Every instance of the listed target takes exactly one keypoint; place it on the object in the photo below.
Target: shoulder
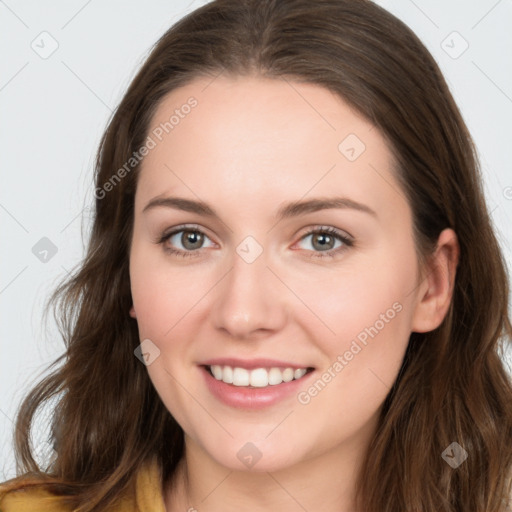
(22, 494)
(29, 499)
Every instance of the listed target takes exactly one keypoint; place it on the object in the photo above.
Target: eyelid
(321, 228)
(345, 238)
(308, 231)
(181, 227)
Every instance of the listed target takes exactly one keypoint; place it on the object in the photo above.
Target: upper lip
(250, 364)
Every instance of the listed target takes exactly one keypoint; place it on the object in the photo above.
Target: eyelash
(331, 253)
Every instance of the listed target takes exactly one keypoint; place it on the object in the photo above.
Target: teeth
(288, 375)
(275, 376)
(226, 375)
(258, 378)
(240, 377)
(300, 372)
(217, 372)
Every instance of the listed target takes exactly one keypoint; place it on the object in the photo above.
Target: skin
(250, 145)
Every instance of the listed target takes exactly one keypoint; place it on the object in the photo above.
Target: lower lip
(252, 398)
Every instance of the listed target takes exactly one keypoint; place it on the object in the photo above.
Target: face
(262, 274)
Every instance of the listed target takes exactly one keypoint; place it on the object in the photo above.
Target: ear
(436, 289)
(132, 312)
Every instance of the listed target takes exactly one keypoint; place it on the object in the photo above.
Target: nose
(250, 302)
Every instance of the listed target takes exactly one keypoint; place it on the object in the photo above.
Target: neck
(328, 479)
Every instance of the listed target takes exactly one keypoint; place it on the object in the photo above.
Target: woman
(293, 297)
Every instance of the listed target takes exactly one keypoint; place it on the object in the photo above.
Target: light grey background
(55, 107)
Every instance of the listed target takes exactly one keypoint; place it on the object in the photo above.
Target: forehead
(240, 138)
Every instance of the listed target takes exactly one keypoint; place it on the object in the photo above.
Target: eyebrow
(293, 209)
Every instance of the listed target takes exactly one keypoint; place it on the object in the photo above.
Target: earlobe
(132, 312)
(436, 290)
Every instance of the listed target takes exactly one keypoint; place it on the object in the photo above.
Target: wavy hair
(453, 385)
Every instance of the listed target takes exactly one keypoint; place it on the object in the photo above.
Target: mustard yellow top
(147, 497)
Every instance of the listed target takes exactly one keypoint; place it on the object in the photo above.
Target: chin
(255, 457)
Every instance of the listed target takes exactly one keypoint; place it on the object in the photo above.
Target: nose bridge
(249, 298)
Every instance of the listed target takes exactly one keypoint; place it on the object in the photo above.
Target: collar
(148, 489)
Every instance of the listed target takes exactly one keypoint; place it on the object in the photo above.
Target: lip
(251, 364)
(253, 398)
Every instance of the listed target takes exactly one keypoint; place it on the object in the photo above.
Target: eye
(190, 238)
(323, 240)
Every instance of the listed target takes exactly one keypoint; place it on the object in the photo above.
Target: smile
(255, 388)
(257, 377)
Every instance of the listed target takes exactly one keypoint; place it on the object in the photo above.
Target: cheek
(161, 303)
(356, 298)
(368, 309)
(154, 293)
(158, 304)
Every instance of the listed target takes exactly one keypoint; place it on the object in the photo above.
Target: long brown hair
(453, 387)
